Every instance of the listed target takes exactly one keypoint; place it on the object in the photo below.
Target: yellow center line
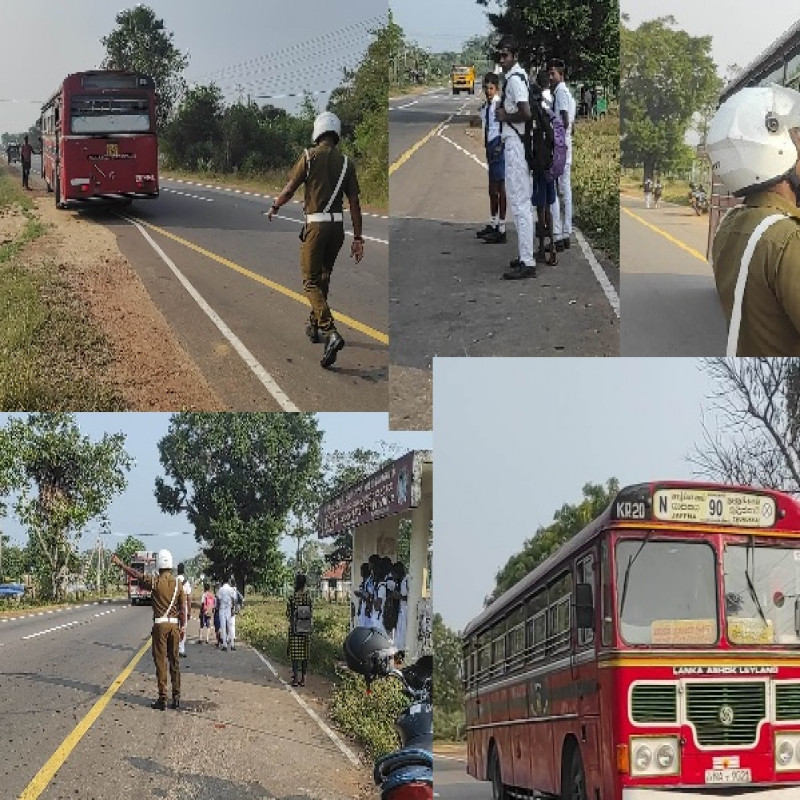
(277, 287)
(56, 761)
(666, 235)
(413, 149)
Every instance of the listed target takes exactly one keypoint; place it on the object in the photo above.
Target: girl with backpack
(298, 612)
(207, 604)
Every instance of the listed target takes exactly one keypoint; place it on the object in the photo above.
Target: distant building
(333, 586)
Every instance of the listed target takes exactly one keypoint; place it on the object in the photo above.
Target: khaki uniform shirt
(163, 587)
(326, 164)
(771, 305)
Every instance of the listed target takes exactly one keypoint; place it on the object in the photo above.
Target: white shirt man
(518, 176)
(226, 597)
(564, 106)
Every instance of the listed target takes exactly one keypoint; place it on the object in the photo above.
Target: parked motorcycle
(699, 201)
(407, 773)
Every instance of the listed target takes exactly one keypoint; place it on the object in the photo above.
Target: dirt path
(149, 367)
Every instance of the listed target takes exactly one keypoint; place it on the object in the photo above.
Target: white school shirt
(494, 124)
(516, 92)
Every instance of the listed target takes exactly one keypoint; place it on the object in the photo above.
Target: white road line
(599, 273)
(480, 163)
(65, 625)
(267, 381)
(344, 749)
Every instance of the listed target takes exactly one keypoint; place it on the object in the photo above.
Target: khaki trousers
(318, 254)
(165, 648)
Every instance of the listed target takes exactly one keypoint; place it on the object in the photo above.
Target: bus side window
(606, 605)
(585, 574)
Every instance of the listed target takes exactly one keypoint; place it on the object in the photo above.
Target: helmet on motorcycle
(749, 141)
(164, 559)
(367, 651)
(326, 122)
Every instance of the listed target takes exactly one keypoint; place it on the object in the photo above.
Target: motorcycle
(699, 201)
(407, 773)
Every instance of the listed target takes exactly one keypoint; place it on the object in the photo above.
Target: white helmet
(326, 122)
(749, 142)
(164, 559)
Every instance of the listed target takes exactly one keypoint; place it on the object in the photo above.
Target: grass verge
(674, 191)
(51, 359)
(365, 718)
(595, 183)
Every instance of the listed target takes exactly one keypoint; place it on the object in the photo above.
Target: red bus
(143, 561)
(655, 656)
(99, 137)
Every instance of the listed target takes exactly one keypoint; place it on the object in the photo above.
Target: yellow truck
(463, 78)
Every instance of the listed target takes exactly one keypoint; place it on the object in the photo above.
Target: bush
(595, 183)
(449, 726)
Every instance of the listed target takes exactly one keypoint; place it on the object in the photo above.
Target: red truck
(143, 561)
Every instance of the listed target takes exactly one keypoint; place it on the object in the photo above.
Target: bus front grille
(654, 702)
(726, 713)
(787, 702)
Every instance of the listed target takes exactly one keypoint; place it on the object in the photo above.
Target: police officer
(168, 615)
(328, 176)
(753, 142)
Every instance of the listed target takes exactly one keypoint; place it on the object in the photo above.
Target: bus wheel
(574, 787)
(498, 789)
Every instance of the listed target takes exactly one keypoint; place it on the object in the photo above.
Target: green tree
(449, 718)
(15, 561)
(756, 439)
(583, 33)
(140, 43)
(567, 521)
(195, 136)
(126, 549)
(63, 481)
(237, 477)
(666, 76)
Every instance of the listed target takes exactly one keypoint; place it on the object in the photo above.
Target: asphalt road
(239, 733)
(446, 295)
(669, 301)
(451, 782)
(246, 272)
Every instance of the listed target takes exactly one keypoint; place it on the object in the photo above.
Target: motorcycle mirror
(778, 599)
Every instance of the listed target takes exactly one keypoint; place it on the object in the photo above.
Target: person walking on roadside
(754, 144)
(563, 106)
(495, 230)
(186, 599)
(328, 175)
(207, 603)
(298, 612)
(513, 112)
(658, 190)
(238, 602)
(648, 192)
(168, 611)
(26, 152)
(226, 596)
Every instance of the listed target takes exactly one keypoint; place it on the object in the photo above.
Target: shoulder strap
(503, 98)
(308, 162)
(174, 595)
(741, 280)
(336, 190)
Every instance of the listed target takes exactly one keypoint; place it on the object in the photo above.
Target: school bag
(301, 619)
(538, 139)
(391, 610)
(208, 605)
(556, 169)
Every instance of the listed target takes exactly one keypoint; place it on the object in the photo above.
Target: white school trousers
(518, 193)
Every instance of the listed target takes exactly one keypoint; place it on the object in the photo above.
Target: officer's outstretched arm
(134, 573)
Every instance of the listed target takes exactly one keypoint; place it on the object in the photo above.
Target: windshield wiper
(750, 588)
(631, 559)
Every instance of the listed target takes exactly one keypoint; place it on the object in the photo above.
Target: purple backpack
(559, 147)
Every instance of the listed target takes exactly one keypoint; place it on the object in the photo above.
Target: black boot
(312, 331)
(160, 704)
(333, 344)
(176, 702)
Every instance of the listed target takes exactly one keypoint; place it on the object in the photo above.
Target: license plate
(728, 776)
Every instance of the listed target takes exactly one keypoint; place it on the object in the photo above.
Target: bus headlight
(642, 756)
(665, 756)
(654, 755)
(785, 752)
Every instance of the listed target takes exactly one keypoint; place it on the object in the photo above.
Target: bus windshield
(669, 590)
(109, 115)
(774, 574)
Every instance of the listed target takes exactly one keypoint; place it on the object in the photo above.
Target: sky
(136, 511)
(515, 439)
(739, 34)
(294, 46)
(442, 25)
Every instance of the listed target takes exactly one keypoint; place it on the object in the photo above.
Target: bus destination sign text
(741, 509)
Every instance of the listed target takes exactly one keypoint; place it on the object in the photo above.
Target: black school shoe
(495, 237)
(518, 271)
(160, 704)
(176, 703)
(333, 344)
(484, 231)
